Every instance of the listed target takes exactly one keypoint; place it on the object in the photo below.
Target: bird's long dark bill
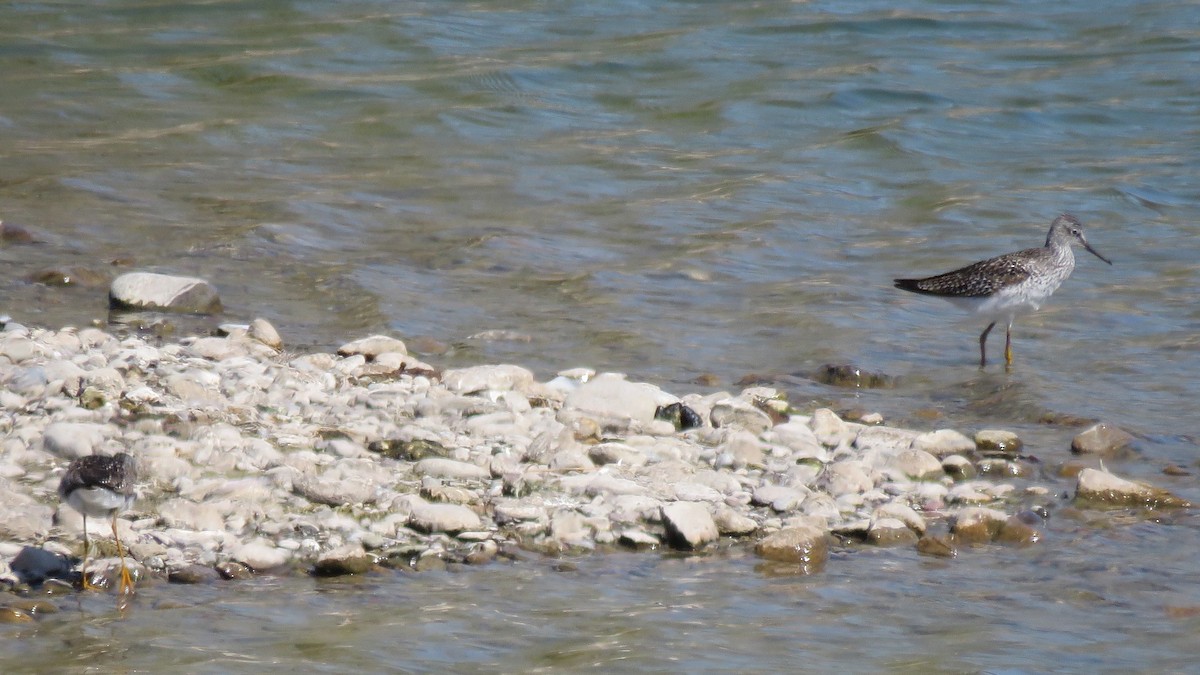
(1095, 253)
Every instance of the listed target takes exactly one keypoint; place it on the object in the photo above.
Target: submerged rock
(845, 375)
(1101, 488)
(150, 291)
(1101, 439)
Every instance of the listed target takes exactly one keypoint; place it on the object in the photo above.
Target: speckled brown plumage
(978, 280)
(116, 474)
(101, 487)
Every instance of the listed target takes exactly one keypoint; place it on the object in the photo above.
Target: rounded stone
(150, 291)
(1101, 439)
(805, 546)
(943, 442)
(264, 332)
(342, 561)
(1101, 488)
(977, 525)
(371, 347)
(997, 441)
(689, 525)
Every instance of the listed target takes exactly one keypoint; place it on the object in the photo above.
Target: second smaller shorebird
(1007, 286)
(101, 487)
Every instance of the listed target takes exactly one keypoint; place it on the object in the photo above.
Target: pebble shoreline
(252, 459)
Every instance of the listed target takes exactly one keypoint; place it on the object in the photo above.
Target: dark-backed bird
(1007, 286)
(102, 487)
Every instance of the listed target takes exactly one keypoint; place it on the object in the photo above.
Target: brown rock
(234, 571)
(1018, 531)
(996, 441)
(805, 546)
(977, 525)
(193, 574)
(937, 545)
(342, 561)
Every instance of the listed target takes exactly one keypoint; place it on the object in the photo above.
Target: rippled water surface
(668, 189)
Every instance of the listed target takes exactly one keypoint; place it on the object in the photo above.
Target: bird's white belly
(1009, 302)
(98, 502)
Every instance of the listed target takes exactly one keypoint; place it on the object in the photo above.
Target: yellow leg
(126, 578)
(1008, 346)
(87, 584)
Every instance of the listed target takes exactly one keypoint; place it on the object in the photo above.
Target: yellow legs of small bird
(1007, 346)
(126, 585)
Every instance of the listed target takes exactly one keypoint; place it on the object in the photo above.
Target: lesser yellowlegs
(101, 487)
(1009, 285)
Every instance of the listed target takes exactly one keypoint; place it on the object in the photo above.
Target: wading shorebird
(101, 487)
(1007, 286)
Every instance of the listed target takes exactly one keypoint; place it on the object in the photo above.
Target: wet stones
(844, 375)
(997, 442)
(805, 546)
(1101, 488)
(943, 442)
(1101, 439)
(321, 463)
(373, 347)
(344, 560)
(161, 292)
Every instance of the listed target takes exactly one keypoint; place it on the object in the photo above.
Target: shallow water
(664, 189)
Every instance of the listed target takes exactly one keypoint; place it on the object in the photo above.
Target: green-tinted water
(666, 189)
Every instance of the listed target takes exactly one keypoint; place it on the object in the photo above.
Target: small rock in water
(1101, 439)
(348, 559)
(805, 546)
(844, 375)
(997, 442)
(146, 290)
(890, 532)
(943, 442)
(193, 574)
(977, 525)
(15, 234)
(936, 545)
(1100, 488)
(372, 347)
